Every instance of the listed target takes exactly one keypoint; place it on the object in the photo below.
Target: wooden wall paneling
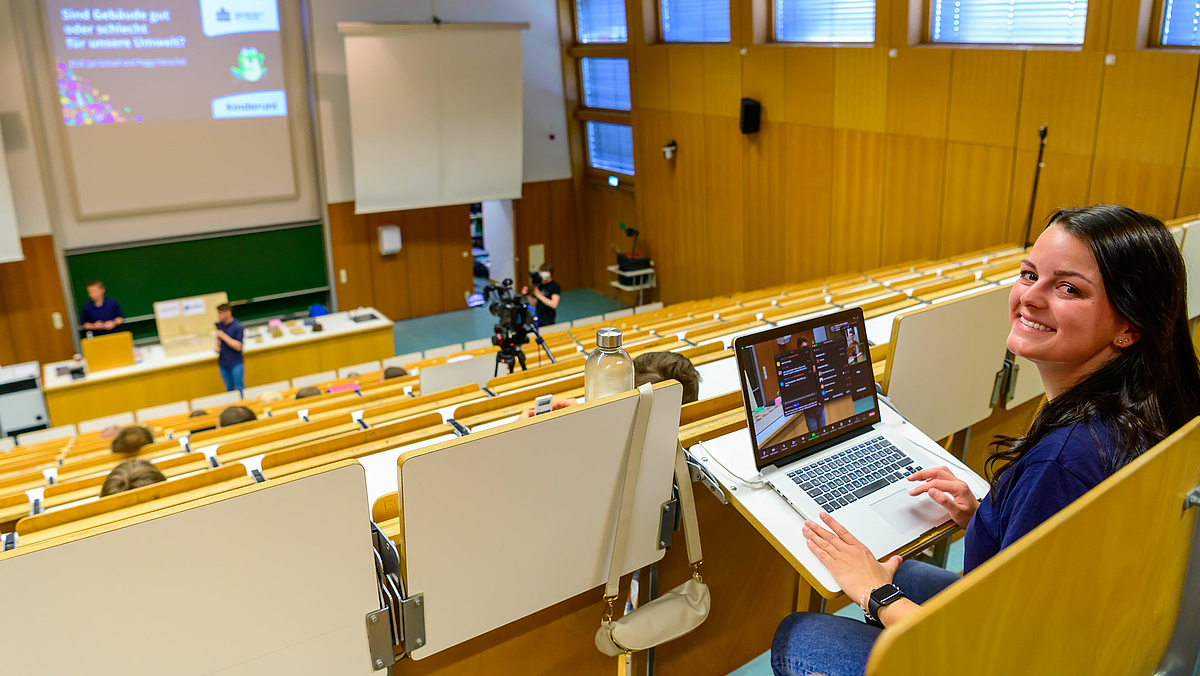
(1064, 183)
(389, 274)
(1099, 20)
(8, 349)
(912, 198)
(1146, 107)
(685, 78)
(651, 73)
(350, 244)
(860, 88)
(765, 260)
(690, 251)
(807, 194)
(724, 227)
(532, 223)
(656, 196)
(419, 233)
(764, 71)
(564, 231)
(1061, 90)
(33, 293)
(808, 86)
(1128, 25)
(722, 80)
(918, 99)
(985, 91)
(608, 207)
(858, 174)
(976, 196)
(1145, 186)
(457, 278)
(1189, 193)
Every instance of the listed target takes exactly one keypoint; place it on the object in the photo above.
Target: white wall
(545, 112)
(24, 169)
(498, 240)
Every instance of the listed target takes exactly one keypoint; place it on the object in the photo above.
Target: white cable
(756, 482)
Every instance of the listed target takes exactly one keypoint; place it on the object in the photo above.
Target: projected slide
(173, 59)
(181, 102)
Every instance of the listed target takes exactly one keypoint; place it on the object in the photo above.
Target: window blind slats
(605, 83)
(1009, 21)
(610, 147)
(825, 20)
(1181, 23)
(695, 20)
(601, 21)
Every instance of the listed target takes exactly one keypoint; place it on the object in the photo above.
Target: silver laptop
(809, 393)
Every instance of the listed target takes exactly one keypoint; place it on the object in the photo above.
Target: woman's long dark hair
(1153, 387)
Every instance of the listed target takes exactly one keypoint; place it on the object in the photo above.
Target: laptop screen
(806, 383)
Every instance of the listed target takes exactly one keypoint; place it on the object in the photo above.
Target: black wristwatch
(883, 596)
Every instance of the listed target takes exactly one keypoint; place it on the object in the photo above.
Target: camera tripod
(510, 343)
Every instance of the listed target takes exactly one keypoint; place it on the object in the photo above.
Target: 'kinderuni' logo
(222, 14)
(250, 66)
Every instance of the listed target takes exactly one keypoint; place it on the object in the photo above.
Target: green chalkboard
(245, 266)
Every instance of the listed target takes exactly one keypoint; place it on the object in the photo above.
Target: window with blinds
(605, 83)
(1181, 23)
(695, 20)
(1037, 22)
(601, 21)
(610, 147)
(825, 20)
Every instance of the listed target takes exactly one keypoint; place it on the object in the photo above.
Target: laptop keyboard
(853, 473)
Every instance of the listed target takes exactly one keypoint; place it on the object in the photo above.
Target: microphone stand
(1037, 174)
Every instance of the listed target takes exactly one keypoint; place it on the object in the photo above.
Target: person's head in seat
(131, 439)
(133, 473)
(197, 413)
(234, 415)
(394, 372)
(310, 391)
(655, 367)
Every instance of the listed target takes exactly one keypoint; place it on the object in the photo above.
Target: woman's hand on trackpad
(948, 491)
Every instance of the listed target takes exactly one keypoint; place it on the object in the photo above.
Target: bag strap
(687, 503)
(633, 462)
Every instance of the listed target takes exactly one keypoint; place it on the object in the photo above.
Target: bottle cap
(608, 338)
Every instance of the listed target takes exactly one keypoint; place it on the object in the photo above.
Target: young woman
(1100, 308)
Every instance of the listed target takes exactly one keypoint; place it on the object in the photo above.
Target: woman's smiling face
(1059, 312)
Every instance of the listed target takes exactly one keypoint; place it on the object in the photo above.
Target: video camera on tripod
(515, 322)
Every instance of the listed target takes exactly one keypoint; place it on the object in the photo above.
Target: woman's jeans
(814, 643)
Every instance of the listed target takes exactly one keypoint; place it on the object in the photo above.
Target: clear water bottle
(608, 370)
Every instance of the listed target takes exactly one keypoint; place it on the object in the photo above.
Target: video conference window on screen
(807, 386)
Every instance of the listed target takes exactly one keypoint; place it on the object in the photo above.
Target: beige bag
(678, 611)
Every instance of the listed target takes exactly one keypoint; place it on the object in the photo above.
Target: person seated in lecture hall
(229, 348)
(651, 367)
(100, 315)
(1100, 308)
(130, 474)
(546, 294)
(131, 439)
(235, 415)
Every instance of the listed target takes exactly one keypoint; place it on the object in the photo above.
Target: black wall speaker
(751, 114)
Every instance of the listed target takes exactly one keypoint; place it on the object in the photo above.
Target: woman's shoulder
(1080, 448)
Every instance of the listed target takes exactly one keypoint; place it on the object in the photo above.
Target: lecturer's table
(161, 379)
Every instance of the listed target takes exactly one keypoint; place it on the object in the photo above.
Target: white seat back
(257, 391)
(60, 432)
(314, 379)
(96, 424)
(360, 369)
(212, 400)
(162, 411)
(444, 351)
(401, 360)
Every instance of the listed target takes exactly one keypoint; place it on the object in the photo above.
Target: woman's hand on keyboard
(948, 491)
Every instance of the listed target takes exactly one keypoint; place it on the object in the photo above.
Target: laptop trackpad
(906, 513)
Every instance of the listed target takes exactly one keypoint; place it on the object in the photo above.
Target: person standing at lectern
(100, 315)
(229, 348)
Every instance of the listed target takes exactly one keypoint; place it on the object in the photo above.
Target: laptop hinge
(817, 448)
